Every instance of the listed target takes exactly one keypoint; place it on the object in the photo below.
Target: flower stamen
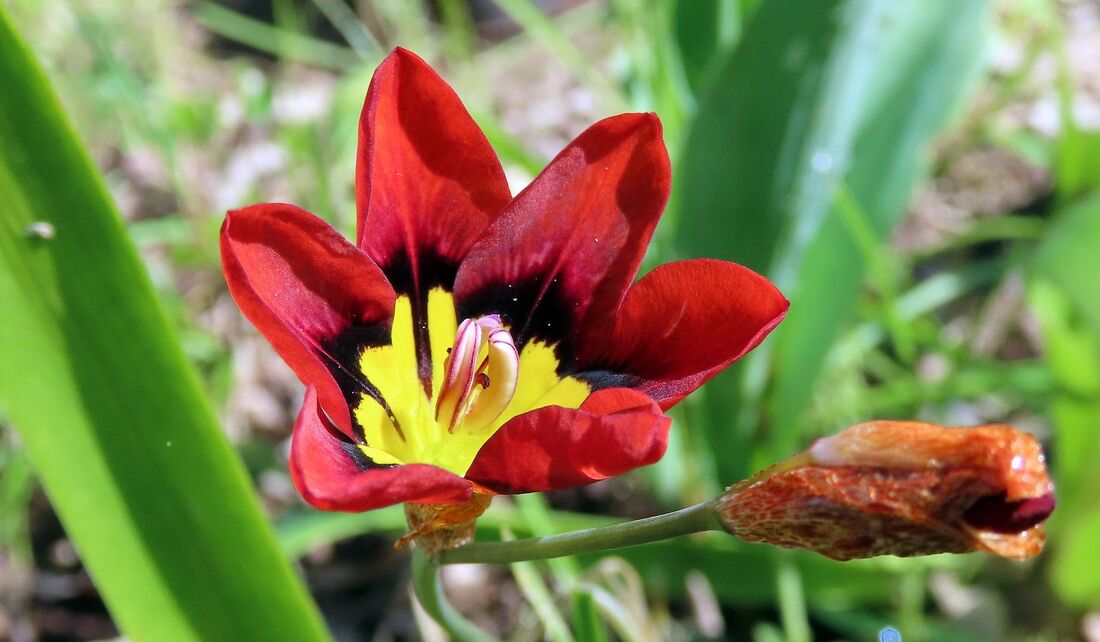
(461, 371)
(476, 391)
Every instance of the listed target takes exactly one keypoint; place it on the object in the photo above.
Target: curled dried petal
(437, 527)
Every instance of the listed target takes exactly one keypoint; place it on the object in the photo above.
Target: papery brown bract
(901, 488)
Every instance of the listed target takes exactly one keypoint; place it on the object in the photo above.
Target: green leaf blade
(814, 96)
(110, 413)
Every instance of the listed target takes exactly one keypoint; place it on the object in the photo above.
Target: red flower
(469, 338)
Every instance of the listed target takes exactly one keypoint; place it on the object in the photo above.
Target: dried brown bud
(437, 527)
(900, 488)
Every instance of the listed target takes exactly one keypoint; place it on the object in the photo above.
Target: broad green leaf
(1077, 162)
(704, 30)
(745, 179)
(814, 96)
(1065, 279)
(1068, 258)
(932, 56)
(790, 90)
(111, 415)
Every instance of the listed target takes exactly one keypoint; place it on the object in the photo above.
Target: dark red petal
(614, 431)
(427, 181)
(995, 513)
(683, 322)
(564, 251)
(329, 475)
(302, 285)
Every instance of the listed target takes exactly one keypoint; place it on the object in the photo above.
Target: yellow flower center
(477, 386)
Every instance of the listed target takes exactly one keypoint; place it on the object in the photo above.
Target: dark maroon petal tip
(994, 513)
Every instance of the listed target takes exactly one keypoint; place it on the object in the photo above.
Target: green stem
(694, 519)
(429, 591)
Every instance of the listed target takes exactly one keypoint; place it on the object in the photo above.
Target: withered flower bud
(900, 488)
(437, 527)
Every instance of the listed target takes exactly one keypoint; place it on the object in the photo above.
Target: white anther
(461, 370)
(502, 366)
(474, 394)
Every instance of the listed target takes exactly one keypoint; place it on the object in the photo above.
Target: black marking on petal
(533, 309)
(343, 354)
(600, 379)
(416, 281)
(362, 462)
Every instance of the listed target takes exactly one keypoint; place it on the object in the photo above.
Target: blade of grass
(407, 24)
(539, 596)
(885, 271)
(508, 147)
(704, 31)
(586, 617)
(657, 81)
(745, 575)
(341, 16)
(1029, 380)
(16, 487)
(792, 601)
(536, 23)
(459, 31)
(923, 298)
(270, 39)
(112, 417)
(616, 614)
(541, 521)
(1009, 227)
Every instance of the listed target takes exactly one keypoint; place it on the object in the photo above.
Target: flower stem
(694, 519)
(429, 591)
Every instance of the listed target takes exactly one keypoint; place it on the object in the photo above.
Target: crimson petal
(685, 321)
(331, 474)
(562, 254)
(303, 285)
(427, 181)
(615, 430)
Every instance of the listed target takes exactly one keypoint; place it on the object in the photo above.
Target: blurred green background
(920, 177)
